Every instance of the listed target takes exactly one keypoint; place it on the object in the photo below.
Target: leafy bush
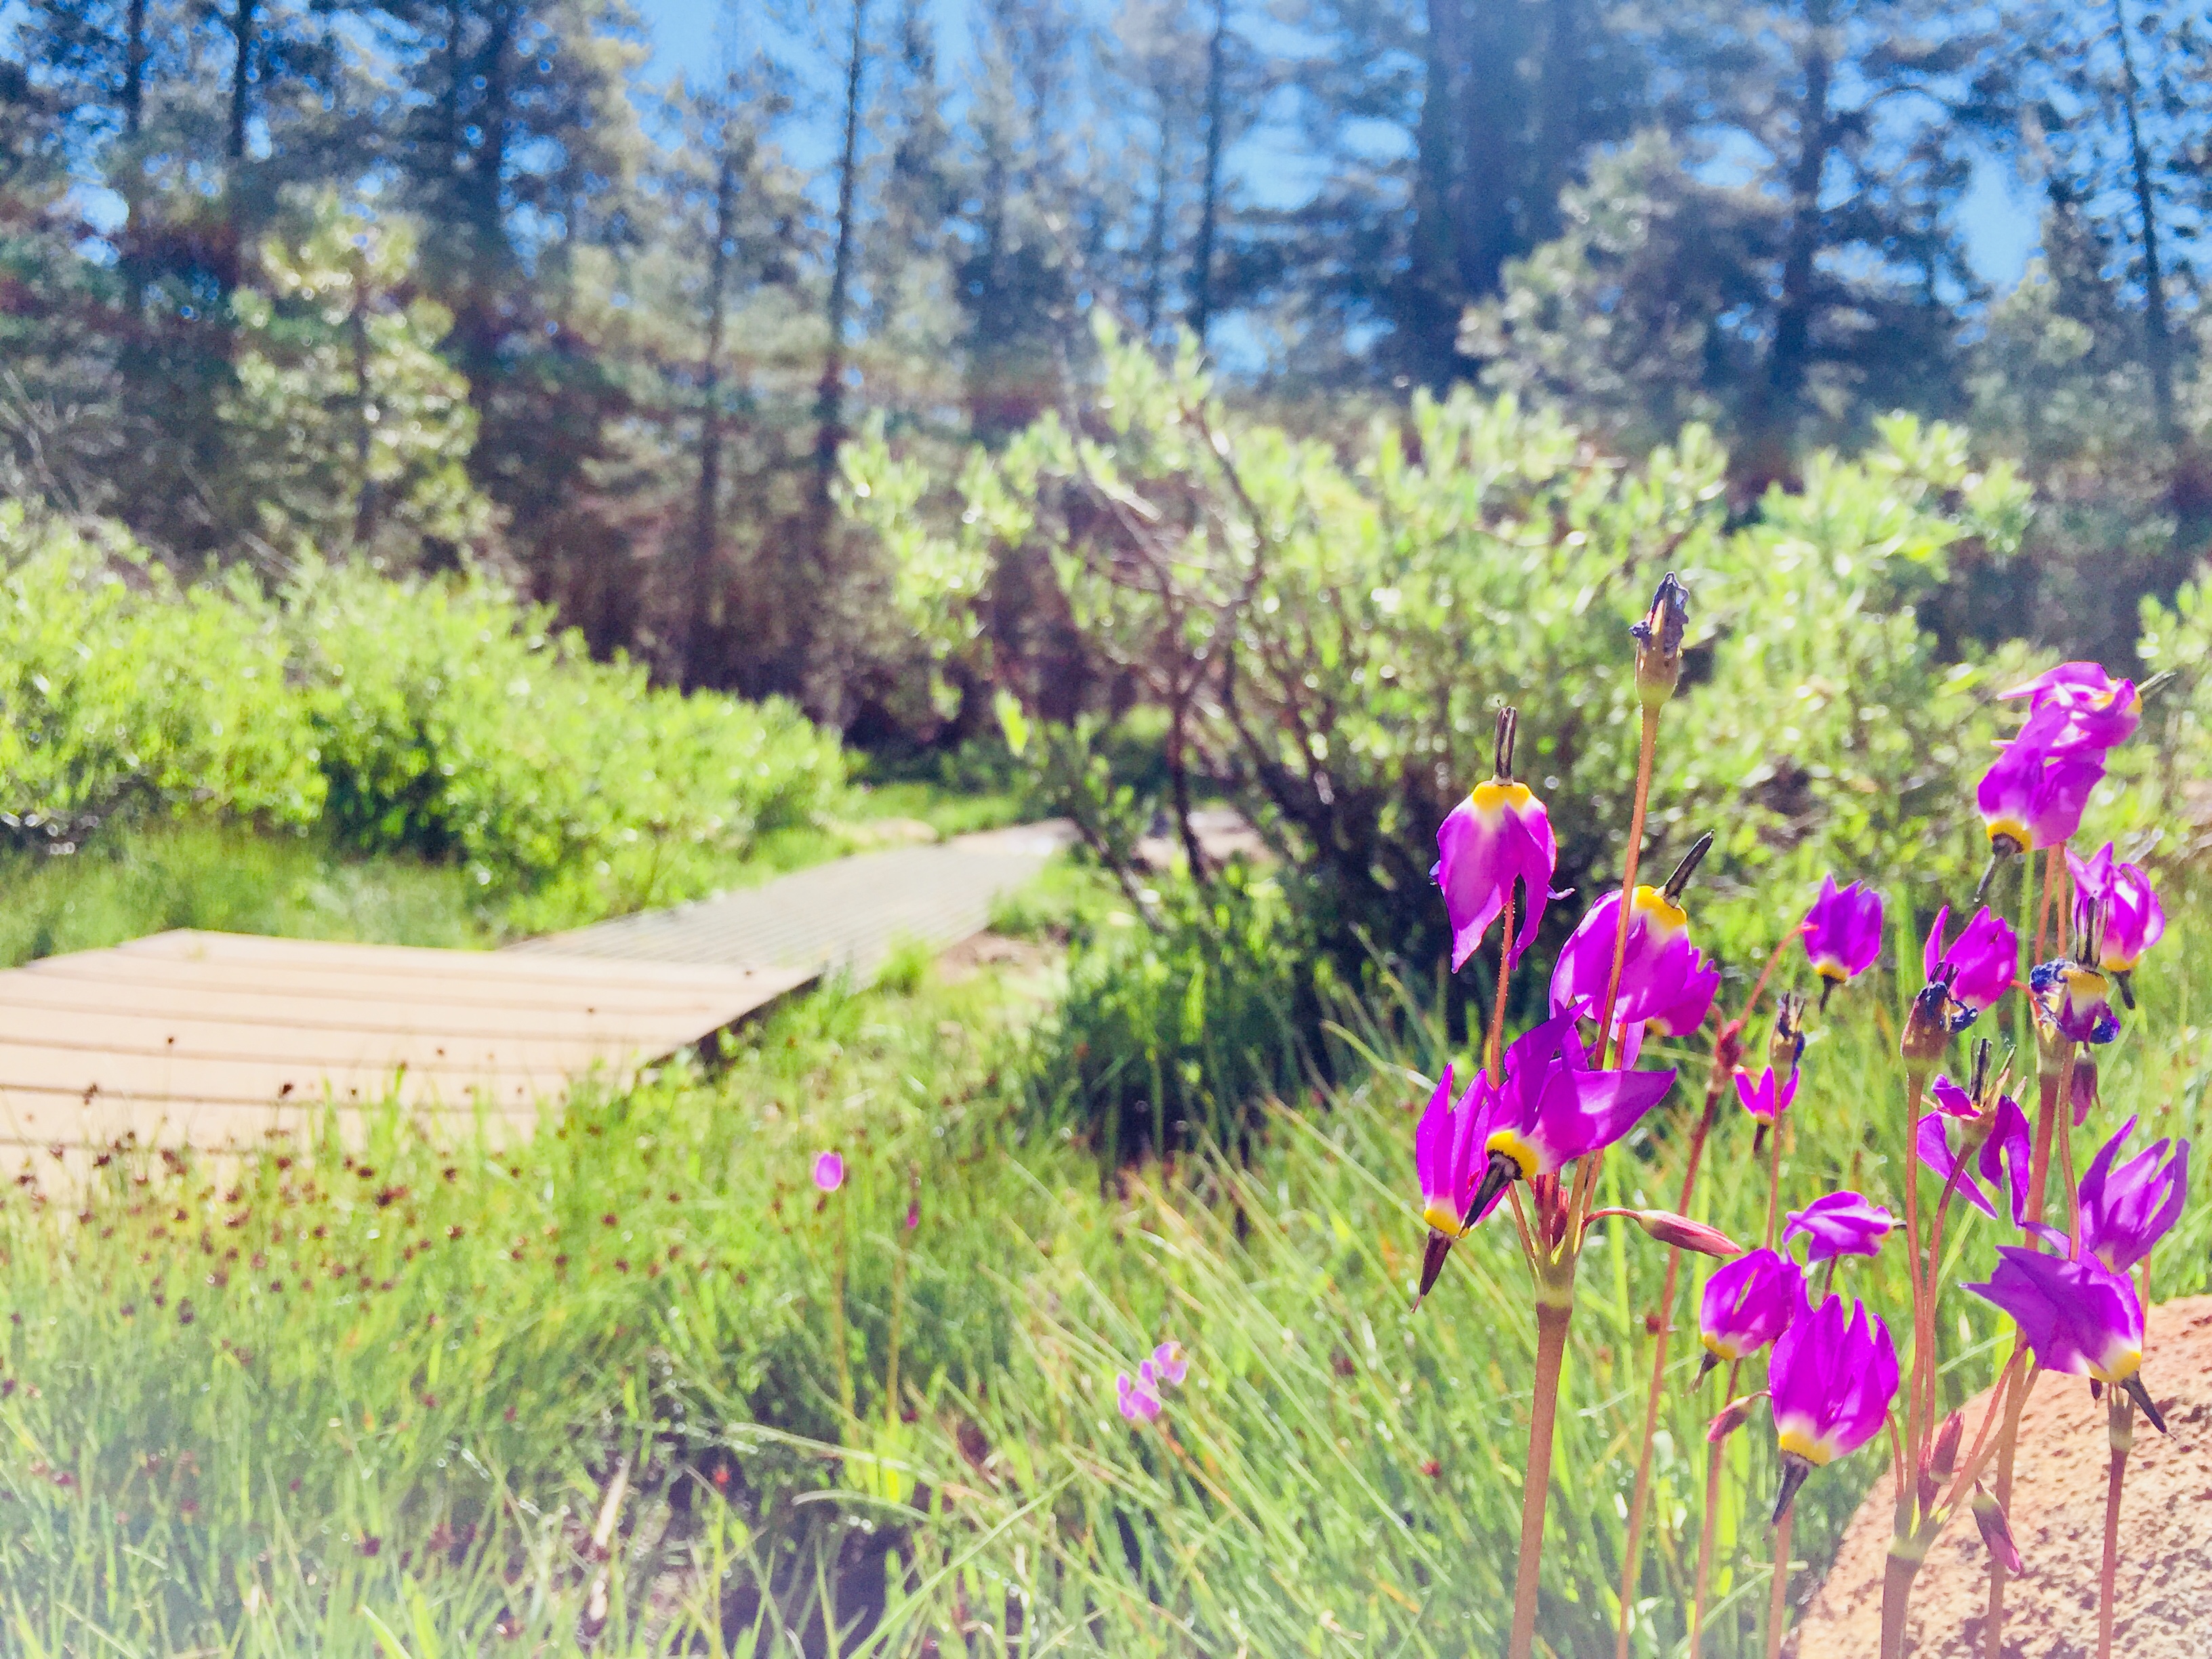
(441, 718)
(1330, 632)
(1168, 1035)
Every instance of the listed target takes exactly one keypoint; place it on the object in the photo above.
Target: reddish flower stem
(2049, 887)
(1896, 1598)
(2038, 1168)
(1711, 1525)
(1551, 1319)
(1778, 1589)
(1494, 1052)
(1647, 746)
(2122, 1419)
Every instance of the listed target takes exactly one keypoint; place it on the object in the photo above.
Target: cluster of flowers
(1548, 1098)
(1139, 1397)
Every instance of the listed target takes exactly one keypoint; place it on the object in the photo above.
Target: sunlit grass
(419, 1433)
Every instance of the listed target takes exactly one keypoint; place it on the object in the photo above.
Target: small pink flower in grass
(1830, 1382)
(2077, 1317)
(2032, 798)
(1448, 1160)
(1841, 933)
(2115, 904)
(1170, 1363)
(1991, 1146)
(1841, 1223)
(1139, 1400)
(2125, 1211)
(1498, 836)
(2077, 709)
(830, 1172)
(1746, 1305)
(1979, 966)
(1765, 1100)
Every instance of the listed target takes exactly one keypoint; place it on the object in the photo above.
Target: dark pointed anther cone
(1432, 1262)
(1794, 1470)
(1705, 1366)
(1501, 1174)
(2140, 1395)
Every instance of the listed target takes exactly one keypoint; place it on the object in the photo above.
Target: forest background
(441, 282)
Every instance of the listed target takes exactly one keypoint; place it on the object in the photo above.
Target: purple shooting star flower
(1448, 1159)
(1551, 1109)
(1169, 1364)
(2077, 1317)
(1830, 1382)
(830, 1172)
(1764, 1100)
(2031, 798)
(1981, 963)
(2076, 999)
(1746, 1305)
(1498, 836)
(2078, 708)
(1992, 1145)
(1841, 1223)
(2124, 1212)
(2116, 903)
(1661, 973)
(1841, 933)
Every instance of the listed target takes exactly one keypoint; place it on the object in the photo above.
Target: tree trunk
(706, 536)
(134, 68)
(1201, 308)
(241, 106)
(1788, 360)
(829, 395)
(1436, 299)
(2158, 341)
(1156, 236)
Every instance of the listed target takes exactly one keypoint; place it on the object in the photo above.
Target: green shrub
(444, 718)
(120, 689)
(1332, 629)
(1170, 1034)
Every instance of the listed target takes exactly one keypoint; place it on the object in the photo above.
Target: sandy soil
(2165, 1584)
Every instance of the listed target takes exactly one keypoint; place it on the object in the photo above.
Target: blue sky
(1998, 219)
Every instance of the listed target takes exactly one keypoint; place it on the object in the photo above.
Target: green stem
(1896, 1598)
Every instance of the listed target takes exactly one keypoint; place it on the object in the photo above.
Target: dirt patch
(2165, 1584)
(1017, 958)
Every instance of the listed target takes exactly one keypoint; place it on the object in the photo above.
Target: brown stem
(1647, 746)
(1773, 1178)
(2122, 1419)
(2062, 1135)
(1639, 1503)
(1896, 1598)
(2038, 1168)
(1778, 1589)
(1711, 1525)
(1919, 1406)
(2049, 887)
(1551, 1319)
(1494, 1052)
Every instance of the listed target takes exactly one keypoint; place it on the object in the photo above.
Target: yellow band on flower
(1803, 1442)
(2117, 1369)
(2010, 830)
(1443, 1218)
(1522, 1154)
(1497, 797)
(1661, 912)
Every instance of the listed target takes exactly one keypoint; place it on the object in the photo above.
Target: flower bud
(1943, 1457)
(1659, 642)
(1730, 1417)
(1684, 1234)
(1996, 1530)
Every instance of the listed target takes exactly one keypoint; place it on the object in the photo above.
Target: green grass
(419, 1431)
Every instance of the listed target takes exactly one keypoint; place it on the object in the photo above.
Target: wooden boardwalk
(220, 1040)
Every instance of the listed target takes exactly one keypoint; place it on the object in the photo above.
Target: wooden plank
(612, 993)
(127, 1032)
(163, 1077)
(335, 1011)
(506, 967)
